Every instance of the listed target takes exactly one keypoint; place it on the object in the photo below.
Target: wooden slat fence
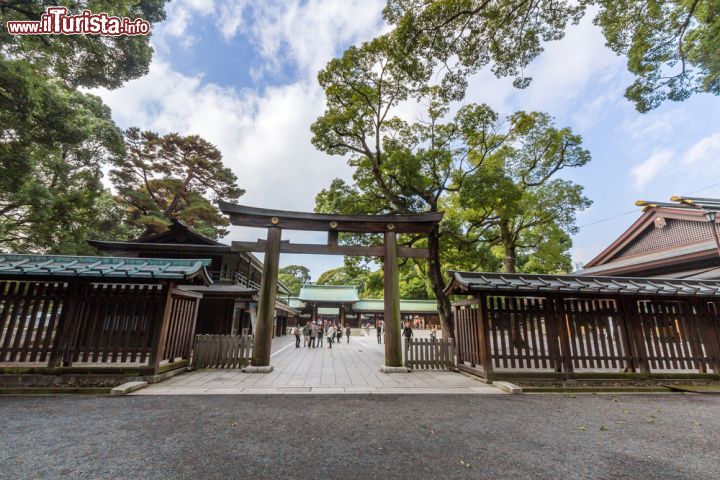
(181, 328)
(222, 351)
(29, 317)
(94, 324)
(591, 334)
(429, 354)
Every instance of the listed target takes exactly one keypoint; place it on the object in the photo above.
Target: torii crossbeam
(277, 220)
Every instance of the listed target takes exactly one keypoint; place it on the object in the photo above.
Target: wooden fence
(222, 351)
(94, 324)
(587, 335)
(429, 354)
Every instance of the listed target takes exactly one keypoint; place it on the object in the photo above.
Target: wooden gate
(429, 354)
(222, 351)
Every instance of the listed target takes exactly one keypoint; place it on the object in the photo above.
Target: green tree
(82, 60)
(426, 166)
(673, 46)
(399, 167)
(293, 277)
(171, 176)
(516, 200)
(55, 142)
(369, 282)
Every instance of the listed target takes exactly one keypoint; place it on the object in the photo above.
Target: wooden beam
(243, 215)
(318, 249)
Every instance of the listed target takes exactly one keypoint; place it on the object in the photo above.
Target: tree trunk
(509, 260)
(438, 284)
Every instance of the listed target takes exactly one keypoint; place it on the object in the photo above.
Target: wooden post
(66, 327)
(562, 326)
(357, 320)
(159, 336)
(393, 346)
(266, 304)
(484, 340)
(342, 314)
(709, 332)
(632, 321)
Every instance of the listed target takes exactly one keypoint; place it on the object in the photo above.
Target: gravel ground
(324, 436)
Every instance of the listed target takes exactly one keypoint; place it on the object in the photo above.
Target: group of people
(314, 333)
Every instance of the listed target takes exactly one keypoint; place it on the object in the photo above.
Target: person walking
(339, 330)
(321, 334)
(379, 332)
(330, 335)
(433, 333)
(306, 334)
(313, 334)
(296, 332)
(347, 333)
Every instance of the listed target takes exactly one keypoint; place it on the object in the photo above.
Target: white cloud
(704, 152)
(179, 18)
(264, 133)
(650, 168)
(302, 33)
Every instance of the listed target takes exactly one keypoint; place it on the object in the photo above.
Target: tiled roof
(406, 306)
(499, 283)
(103, 267)
(328, 293)
(294, 302)
(328, 311)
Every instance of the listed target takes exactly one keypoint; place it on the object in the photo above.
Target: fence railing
(430, 354)
(86, 324)
(572, 335)
(222, 351)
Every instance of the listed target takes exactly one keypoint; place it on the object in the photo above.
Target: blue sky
(242, 74)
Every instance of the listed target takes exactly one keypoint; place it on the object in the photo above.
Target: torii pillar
(266, 304)
(393, 337)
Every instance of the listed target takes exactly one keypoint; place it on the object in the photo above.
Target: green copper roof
(329, 293)
(406, 306)
(103, 267)
(328, 311)
(294, 302)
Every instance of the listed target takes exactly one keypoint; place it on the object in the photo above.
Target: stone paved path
(346, 368)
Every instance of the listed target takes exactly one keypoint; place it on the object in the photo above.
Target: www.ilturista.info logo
(56, 21)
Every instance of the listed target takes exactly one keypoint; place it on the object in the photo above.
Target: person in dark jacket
(379, 332)
(347, 333)
(407, 331)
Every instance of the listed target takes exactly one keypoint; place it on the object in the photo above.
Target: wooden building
(229, 305)
(674, 239)
(343, 304)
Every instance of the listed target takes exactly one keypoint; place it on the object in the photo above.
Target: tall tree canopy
(673, 46)
(171, 176)
(414, 282)
(403, 167)
(516, 200)
(83, 60)
(55, 141)
(293, 277)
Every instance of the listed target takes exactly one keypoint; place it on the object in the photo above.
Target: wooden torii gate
(277, 220)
